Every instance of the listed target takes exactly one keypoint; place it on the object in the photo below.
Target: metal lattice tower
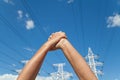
(61, 74)
(91, 57)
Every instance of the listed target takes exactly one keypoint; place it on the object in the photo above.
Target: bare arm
(78, 63)
(31, 69)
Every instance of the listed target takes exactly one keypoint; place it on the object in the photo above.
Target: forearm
(78, 63)
(32, 67)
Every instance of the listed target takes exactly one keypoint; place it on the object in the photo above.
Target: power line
(6, 68)
(12, 58)
(75, 23)
(24, 63)
(81, 23)
(31, 12)
(12, 28)
(4, 43)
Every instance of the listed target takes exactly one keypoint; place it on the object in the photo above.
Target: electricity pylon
(91, 58)
(60, 74)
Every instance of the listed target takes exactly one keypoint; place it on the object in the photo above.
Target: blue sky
(26, 25)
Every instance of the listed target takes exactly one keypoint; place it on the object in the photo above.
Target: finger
(50, 37)
(64, 33)
(52, 33)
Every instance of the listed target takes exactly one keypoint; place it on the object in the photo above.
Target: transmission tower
(60, 74)
(93, 63)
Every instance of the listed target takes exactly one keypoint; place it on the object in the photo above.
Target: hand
(55, 38)
(61, 43)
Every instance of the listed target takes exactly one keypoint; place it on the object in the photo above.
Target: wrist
(48, 45)
(62, 43)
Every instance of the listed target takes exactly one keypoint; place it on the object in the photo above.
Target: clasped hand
(56, 40)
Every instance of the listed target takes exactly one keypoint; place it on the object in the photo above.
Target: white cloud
(8, 77)
(27, 15)
(24, 61)
(14, 77)
(113, 21)
(20, 14)
(9, 1)
(18, 70)
(30, 24)
(46, 29)
(70, 1)
(118, 2)
(43, 78)
(29, 49)
(13, 65)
